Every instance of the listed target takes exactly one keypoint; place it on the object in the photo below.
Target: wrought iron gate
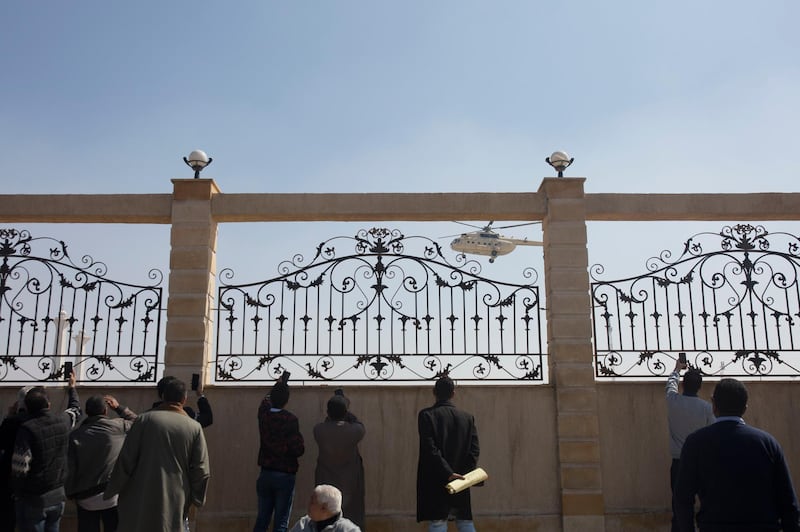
(54, 312)
(731, 301)
(379, 314)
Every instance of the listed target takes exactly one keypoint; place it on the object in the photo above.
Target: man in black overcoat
(448, 449)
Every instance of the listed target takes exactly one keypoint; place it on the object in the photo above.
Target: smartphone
(682, 358)
(285, 377)
(67, 370)
(195, 381)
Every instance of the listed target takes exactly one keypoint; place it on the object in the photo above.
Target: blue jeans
(34, 518)
(275, 490)
(441, 526)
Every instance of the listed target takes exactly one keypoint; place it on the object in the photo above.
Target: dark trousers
(89, 521)
(7, 513)
(673, 481)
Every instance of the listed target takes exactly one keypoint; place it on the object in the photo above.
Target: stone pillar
(192, 276)
(569, 332)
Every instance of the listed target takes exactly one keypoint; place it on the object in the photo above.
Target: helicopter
(487, 242)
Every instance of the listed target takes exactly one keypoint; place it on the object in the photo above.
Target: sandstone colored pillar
(192, 279)
(569, 330)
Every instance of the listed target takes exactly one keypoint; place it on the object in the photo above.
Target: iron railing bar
(269, 330)
(793, 319)
(293, 323)
(681, 316)
(692, 316)
(35, 323)
(464, 318)
(655, 315)
(281, 321)
(96, 324)
(132, 320)
(318, 320)
(256, 320)
(514, 328)
(670, 315)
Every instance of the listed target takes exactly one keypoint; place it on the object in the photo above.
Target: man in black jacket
(738, 472)
(39, 463)
(8, 435)
(448, 449)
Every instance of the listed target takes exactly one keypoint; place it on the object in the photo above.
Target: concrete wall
(574, 455)
(518, 449)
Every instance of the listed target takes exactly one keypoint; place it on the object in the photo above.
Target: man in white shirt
(685, 413)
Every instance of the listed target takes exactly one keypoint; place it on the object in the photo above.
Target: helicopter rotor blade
(468, 225)
(518, 225)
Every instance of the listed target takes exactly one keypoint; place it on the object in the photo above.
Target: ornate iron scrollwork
(54, 311)
(731, 301)
(379, 314)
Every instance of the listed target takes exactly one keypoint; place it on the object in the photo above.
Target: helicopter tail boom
(528, 242)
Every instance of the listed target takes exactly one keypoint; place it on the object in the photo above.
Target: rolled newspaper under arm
(476, 476)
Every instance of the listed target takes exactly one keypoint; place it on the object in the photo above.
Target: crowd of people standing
(128, 473)
(145, 472)
(448, 449)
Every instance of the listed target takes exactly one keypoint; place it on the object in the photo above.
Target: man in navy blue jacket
(738, 472)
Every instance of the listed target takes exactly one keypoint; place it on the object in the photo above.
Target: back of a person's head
(730, 397)
(330, 497)
(337, 408)
(692, 381)
(21, 397)
(162, 384)
(444, 388)
(95, 406)
(279, 395)
(174, 391)
(36, 400)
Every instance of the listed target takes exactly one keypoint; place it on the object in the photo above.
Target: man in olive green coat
(162, 469)
(339, 463)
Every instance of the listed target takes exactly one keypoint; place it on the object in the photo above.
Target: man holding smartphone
(39, 462)
(281, 444)
(685, 414)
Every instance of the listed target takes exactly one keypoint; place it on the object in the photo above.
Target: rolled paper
(476, 476)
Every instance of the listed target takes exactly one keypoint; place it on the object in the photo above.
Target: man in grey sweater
(685, 413)
(91, 455)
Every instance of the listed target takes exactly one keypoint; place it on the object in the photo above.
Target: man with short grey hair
(325, 513)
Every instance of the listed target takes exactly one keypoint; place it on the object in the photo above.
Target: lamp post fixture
(560, 161)
(197, 161)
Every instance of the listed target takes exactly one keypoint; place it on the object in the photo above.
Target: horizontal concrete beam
(679, 207)
(157, 208)
(86, 208)
(378, 206)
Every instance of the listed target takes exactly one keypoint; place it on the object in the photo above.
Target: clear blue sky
(352, 96)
